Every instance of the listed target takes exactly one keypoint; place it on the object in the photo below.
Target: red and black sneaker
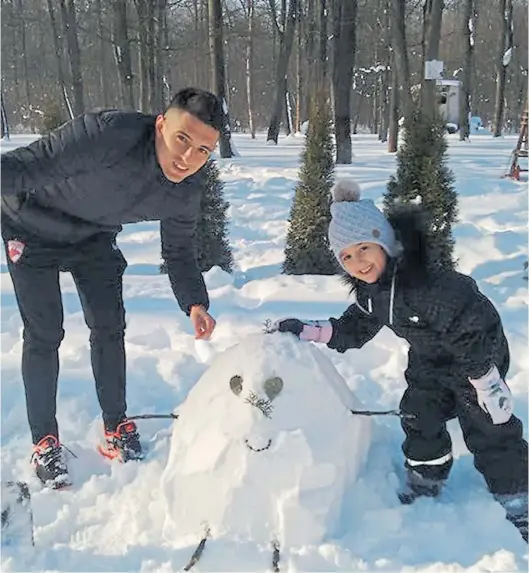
(122, 443)
(50, 464)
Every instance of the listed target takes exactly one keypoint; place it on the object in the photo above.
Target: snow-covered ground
(112, 518)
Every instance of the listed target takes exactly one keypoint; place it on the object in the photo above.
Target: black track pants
(97, 268)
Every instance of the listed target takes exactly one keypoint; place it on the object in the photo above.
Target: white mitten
(494, 396)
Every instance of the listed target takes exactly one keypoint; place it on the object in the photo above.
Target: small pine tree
(422, 175)
(212, 230)
(307, 245)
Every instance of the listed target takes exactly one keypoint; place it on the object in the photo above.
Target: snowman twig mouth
(258, 449)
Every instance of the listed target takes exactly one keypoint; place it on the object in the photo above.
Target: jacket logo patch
(413, 319)
(15, 249)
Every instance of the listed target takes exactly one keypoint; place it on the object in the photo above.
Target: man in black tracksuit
(64, 200)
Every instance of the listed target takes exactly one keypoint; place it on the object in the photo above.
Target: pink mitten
(311, 330)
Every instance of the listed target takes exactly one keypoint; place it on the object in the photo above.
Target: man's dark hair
(202, 104)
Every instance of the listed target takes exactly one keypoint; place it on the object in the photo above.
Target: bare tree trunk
(502, 62)
(311, 30)
(165, 79)
(142, 10)
(10, 42)
(197, 41)
(393, 124)
(57, 45)
(344, 32)
(103, 48)
(374, 103)
(321, 61)
(433, 15)
(288, 112)
(16, 83)
(218, 80)
(299, 72)
(151, 20)
(69, 22)
(384, 107)
(249, 65)
(201, 72)
(23, 49)
(274, 47)
(468, 30)
(285, 48)
(205, 29)
(122, 53)
(385, 79)
(151, 55)
(522, 98)
(5, 123)
(401, 54)
(159, 46)
(358, 111)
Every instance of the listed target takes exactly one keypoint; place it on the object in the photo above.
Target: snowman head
(263, 400)
(265, 386)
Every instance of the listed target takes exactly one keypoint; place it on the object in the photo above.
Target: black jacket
(452, 328)
(94, 174)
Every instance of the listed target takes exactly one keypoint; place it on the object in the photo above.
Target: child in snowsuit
(458, 356)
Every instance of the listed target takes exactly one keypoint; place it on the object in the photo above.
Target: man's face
(183, 144)
(364, 261)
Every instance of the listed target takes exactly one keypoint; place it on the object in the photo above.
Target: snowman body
(265, 447)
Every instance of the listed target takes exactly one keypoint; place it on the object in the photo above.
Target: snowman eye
(236, 385)
(273, 387)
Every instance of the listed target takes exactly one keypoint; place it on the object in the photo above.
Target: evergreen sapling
(424, 179)
(213, 248)
(307, 245)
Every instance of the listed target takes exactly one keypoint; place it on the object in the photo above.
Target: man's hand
(203, 322)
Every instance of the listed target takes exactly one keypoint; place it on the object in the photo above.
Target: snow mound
(265, 447)
(217, 278)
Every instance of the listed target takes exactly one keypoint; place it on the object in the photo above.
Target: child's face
(364, 261)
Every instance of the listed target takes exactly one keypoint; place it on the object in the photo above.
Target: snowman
(265, 447)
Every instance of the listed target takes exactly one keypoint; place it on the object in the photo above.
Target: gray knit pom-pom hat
(355, 220)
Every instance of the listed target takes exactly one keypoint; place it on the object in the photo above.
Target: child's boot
(419, 485)
(515, 506)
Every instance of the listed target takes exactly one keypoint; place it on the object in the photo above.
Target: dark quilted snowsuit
(454, 333)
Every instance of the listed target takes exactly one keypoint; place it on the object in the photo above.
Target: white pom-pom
(346, 190)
